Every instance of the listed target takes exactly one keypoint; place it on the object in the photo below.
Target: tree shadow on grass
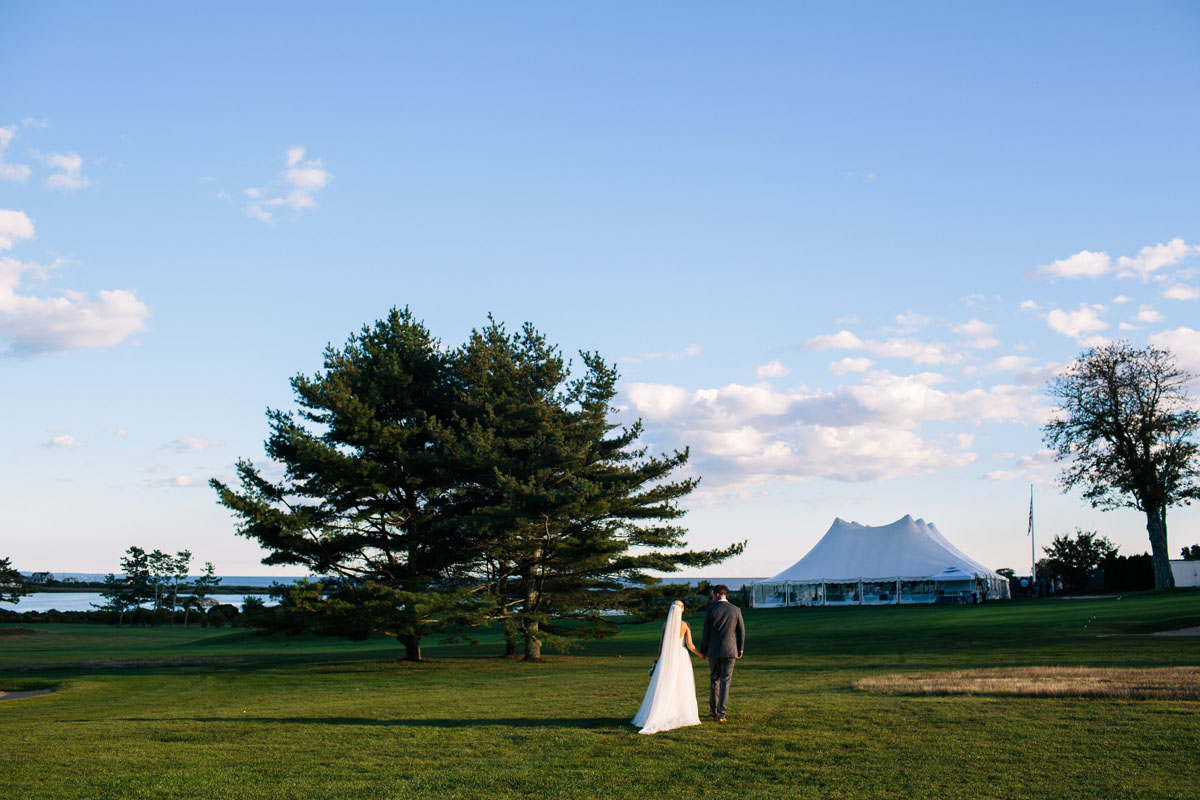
(594, 723)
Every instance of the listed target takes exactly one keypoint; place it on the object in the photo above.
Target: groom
(721, 643)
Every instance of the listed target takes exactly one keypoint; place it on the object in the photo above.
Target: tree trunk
(1156, 526)
(533, 645)
(412, 645)
(510, 638)
(529, 625)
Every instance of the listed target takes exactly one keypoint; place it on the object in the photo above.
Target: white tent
(909, 561)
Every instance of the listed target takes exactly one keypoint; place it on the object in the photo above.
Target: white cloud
(70, 176)
(15, 226)
(1154, 257)
(63, 440)
(296, 189)
(259, 213)
(1029, 305)
(1006, 364)
(1182, 292)
(911, 319)
(1077, 324)
(916, 351)
(11, 172)
(1148, 314)
(192, 443)
(772, 369)
(748, 435)
(691, 351)
(1038, 375)
(978, 333)
(1127, 326)
(658, 401)
(176, 482)
(1121, 299)
(850, 364)
(903, 400)
(913, 350)
(1034, 468)
(976, 299)
(1084, 264)
(842, 340)
(853, 319)
(67, 321)
(1184, 343)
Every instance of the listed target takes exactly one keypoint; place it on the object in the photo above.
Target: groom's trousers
(720, 674)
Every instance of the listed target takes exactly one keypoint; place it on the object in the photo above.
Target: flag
(1030, 529)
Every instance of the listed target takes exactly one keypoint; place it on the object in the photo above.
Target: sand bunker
(23, 695)
(1181, 632)
(1167, 683)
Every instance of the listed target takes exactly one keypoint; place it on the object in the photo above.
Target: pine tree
(12, 584)
(365, 485)
(565, 510)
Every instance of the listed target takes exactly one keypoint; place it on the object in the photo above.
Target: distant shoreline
(97, 588)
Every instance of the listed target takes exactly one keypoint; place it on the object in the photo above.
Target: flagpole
(1032, 542)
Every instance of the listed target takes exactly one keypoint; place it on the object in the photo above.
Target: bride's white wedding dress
(670, 700)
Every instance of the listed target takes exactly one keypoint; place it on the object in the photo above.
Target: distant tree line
(1089, 561)
(154, 586)
(436, 488)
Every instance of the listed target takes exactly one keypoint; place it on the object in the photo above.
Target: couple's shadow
(593, 723)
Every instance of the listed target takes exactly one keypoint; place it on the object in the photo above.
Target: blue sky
(835, 248)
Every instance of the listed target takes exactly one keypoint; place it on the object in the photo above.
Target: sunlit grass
(1166, 683)
(200, 713)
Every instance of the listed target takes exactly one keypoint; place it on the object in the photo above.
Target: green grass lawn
(173, 713)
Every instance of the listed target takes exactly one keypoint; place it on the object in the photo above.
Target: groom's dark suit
(721, 643)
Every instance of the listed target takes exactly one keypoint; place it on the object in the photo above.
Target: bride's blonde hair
(678, 603)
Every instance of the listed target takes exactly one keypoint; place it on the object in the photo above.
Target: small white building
(909, 561)
(1187, 573)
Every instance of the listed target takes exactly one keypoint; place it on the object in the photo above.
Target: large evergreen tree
(566, 510)
(432, 486)
(366, 484)
(1125, 429)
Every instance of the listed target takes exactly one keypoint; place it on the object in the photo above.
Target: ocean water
(86, 601)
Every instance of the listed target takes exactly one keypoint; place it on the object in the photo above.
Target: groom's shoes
(720, 719)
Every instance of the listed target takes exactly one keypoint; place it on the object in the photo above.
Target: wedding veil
(670, 700)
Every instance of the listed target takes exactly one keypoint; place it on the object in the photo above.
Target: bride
(670, 700)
